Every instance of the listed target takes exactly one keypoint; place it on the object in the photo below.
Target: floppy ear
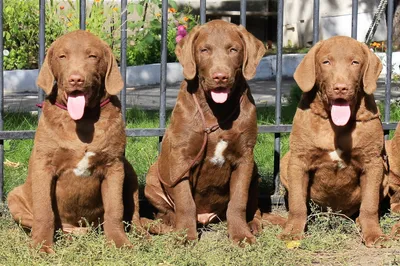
(372, 70)
(254, 50)
(45, 79)
(113, 80)
(305, 71)
(185, 53)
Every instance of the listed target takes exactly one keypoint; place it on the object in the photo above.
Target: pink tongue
(76, 106)
(219, 96)
(340, 113)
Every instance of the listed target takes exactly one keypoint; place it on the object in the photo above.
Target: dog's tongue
(76, 106)
(220, 95)
(340, 113)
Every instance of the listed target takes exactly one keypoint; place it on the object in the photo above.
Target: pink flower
(178, 38)
(180, 33)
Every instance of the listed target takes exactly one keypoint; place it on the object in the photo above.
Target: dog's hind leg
(20, 207)
(161, 201)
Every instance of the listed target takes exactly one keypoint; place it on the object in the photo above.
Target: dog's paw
(395, 232)
(293, 231)
(241, 235)
(255, 226)
(273, 219)
(377, 241)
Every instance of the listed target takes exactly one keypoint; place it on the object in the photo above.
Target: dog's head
(342, 69)
(219, 53)
(81, 69)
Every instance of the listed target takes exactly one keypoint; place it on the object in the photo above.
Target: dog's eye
(92, 56)
(204, 50)
(63, 56)
(326, 62)
(355, 62)
(233, 50)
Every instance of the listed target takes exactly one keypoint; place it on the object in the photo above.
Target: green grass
(330, 239)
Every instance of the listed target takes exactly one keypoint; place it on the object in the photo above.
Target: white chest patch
(82, 168)
(336, 156)
(218, 158)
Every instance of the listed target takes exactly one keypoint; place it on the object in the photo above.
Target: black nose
(76, 79)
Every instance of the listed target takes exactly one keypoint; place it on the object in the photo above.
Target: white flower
(6, 52)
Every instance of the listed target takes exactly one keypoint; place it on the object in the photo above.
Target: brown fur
(355, 182)
(228, 190)
(392, 149)
(53, 196)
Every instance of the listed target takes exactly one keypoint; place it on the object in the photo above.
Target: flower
(97, 1)
(178, 38)
(6, 52)
(180, 33)
(172, 10)
(115, 9)
(69, 15)
(62, 7)
(185, 19)
(69, 24)
(158, 15)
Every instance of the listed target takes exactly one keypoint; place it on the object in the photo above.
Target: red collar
(59, 105)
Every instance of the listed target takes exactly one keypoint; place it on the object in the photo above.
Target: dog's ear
(254, 50)
(304, 75)
(113, 80)
(373, 68)
(185, 53)
(45, 79)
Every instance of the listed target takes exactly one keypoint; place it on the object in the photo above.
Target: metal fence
(276, 129)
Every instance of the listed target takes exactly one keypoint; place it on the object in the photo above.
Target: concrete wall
(335, 19)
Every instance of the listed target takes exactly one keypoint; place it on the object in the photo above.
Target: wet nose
(341, 88)
(76, 79)
(220, 77)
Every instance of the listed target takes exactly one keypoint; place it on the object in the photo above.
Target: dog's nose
(341, 88)
(76, 79)
(220, 77)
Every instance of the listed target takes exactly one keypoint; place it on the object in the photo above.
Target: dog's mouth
(220, 94)
(340, 112)
(76, 102)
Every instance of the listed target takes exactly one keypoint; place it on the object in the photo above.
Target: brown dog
(336, 145)
(206, 170)
(77, 171)
(392, 149)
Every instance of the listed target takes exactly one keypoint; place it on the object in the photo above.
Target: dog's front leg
(238, 228)
(298, 178)
(43, 197)
(111, 192)
(371, 182)
(185, 209)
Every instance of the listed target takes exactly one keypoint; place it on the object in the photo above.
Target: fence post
(124, 21)
(1, 103)
(390, 9)
(82, 14)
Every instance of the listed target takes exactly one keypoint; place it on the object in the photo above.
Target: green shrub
(21, 28)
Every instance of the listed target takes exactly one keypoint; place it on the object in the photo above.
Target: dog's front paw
(293, 231)
(376, 240)
(240, 234)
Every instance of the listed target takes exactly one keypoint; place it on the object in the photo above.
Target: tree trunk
(396, 25)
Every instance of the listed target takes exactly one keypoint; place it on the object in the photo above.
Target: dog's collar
(61, 106)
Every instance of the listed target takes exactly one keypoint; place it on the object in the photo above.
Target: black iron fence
(276, 129)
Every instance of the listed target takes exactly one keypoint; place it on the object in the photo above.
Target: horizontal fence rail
(276, 129)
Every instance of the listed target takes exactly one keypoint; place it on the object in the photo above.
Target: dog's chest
(223, 149)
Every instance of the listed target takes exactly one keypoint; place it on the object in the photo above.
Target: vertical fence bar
(389, 17)
(163, 66)
(243, 12)
(82, 14)
(1, 103)
(354, 17)
(316, 22)
(124, 21)
(202, 11)
(277, 143)
(42, 44)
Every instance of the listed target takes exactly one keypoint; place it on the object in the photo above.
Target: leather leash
(206, 130)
